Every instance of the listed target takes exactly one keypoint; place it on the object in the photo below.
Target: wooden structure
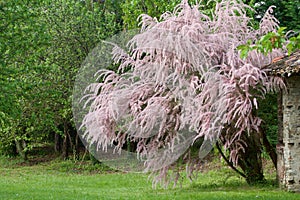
(288, 148)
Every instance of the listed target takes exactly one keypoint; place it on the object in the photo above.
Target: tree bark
(250, 160)
(77, 145)
(73, 141)
(65, 150)
(57, 143)
(20, 145)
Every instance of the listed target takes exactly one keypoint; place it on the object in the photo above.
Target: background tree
(22, 43)
(133, 9)
(75, 29)
(286, 11)
(43, 44)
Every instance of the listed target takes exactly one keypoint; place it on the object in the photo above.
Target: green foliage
(268, 113)
(294, 44)
(75, 30)
(132, 9)
(22, 43)
(286, 11)
(288, 14)
(19, 37)
(270, 41)
(43, 44)
(6, 138)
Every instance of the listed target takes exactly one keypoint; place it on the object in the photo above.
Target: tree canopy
(186, 80)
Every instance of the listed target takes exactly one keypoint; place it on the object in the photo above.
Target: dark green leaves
(270, 41)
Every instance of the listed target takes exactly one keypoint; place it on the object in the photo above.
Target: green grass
(66, 180)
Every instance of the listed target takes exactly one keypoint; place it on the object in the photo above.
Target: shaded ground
(45, 155)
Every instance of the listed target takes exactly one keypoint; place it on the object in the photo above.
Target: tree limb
(228, 162)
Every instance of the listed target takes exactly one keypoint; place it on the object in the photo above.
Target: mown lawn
(66, 180)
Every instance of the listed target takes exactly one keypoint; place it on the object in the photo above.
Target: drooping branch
(230, 164)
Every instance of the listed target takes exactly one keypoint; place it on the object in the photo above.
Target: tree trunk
(73, 141)
(65, 150)
(57, 143)
(76, 146)
(20, 145)
(250, 160)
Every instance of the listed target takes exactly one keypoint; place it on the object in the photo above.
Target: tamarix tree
(182, 80)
